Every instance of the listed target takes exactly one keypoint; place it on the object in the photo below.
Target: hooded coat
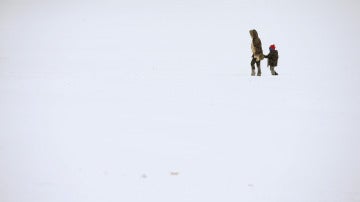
(272, 57)
(256, 46)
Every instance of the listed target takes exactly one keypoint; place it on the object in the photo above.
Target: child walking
(272, 57)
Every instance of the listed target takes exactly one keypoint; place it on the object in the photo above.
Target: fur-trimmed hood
(254, 34)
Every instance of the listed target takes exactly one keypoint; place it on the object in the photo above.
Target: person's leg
(253, 61)
(273, 72)
(258, 68)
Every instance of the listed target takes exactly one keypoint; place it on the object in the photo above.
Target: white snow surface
(134, 101)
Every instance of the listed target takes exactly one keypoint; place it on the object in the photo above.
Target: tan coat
(256, 46)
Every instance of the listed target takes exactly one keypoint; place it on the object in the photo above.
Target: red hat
(272, 47)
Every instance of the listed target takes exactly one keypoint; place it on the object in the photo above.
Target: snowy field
(152, 101)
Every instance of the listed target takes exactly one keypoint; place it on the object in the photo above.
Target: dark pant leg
(253, 61)
(273, 70)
